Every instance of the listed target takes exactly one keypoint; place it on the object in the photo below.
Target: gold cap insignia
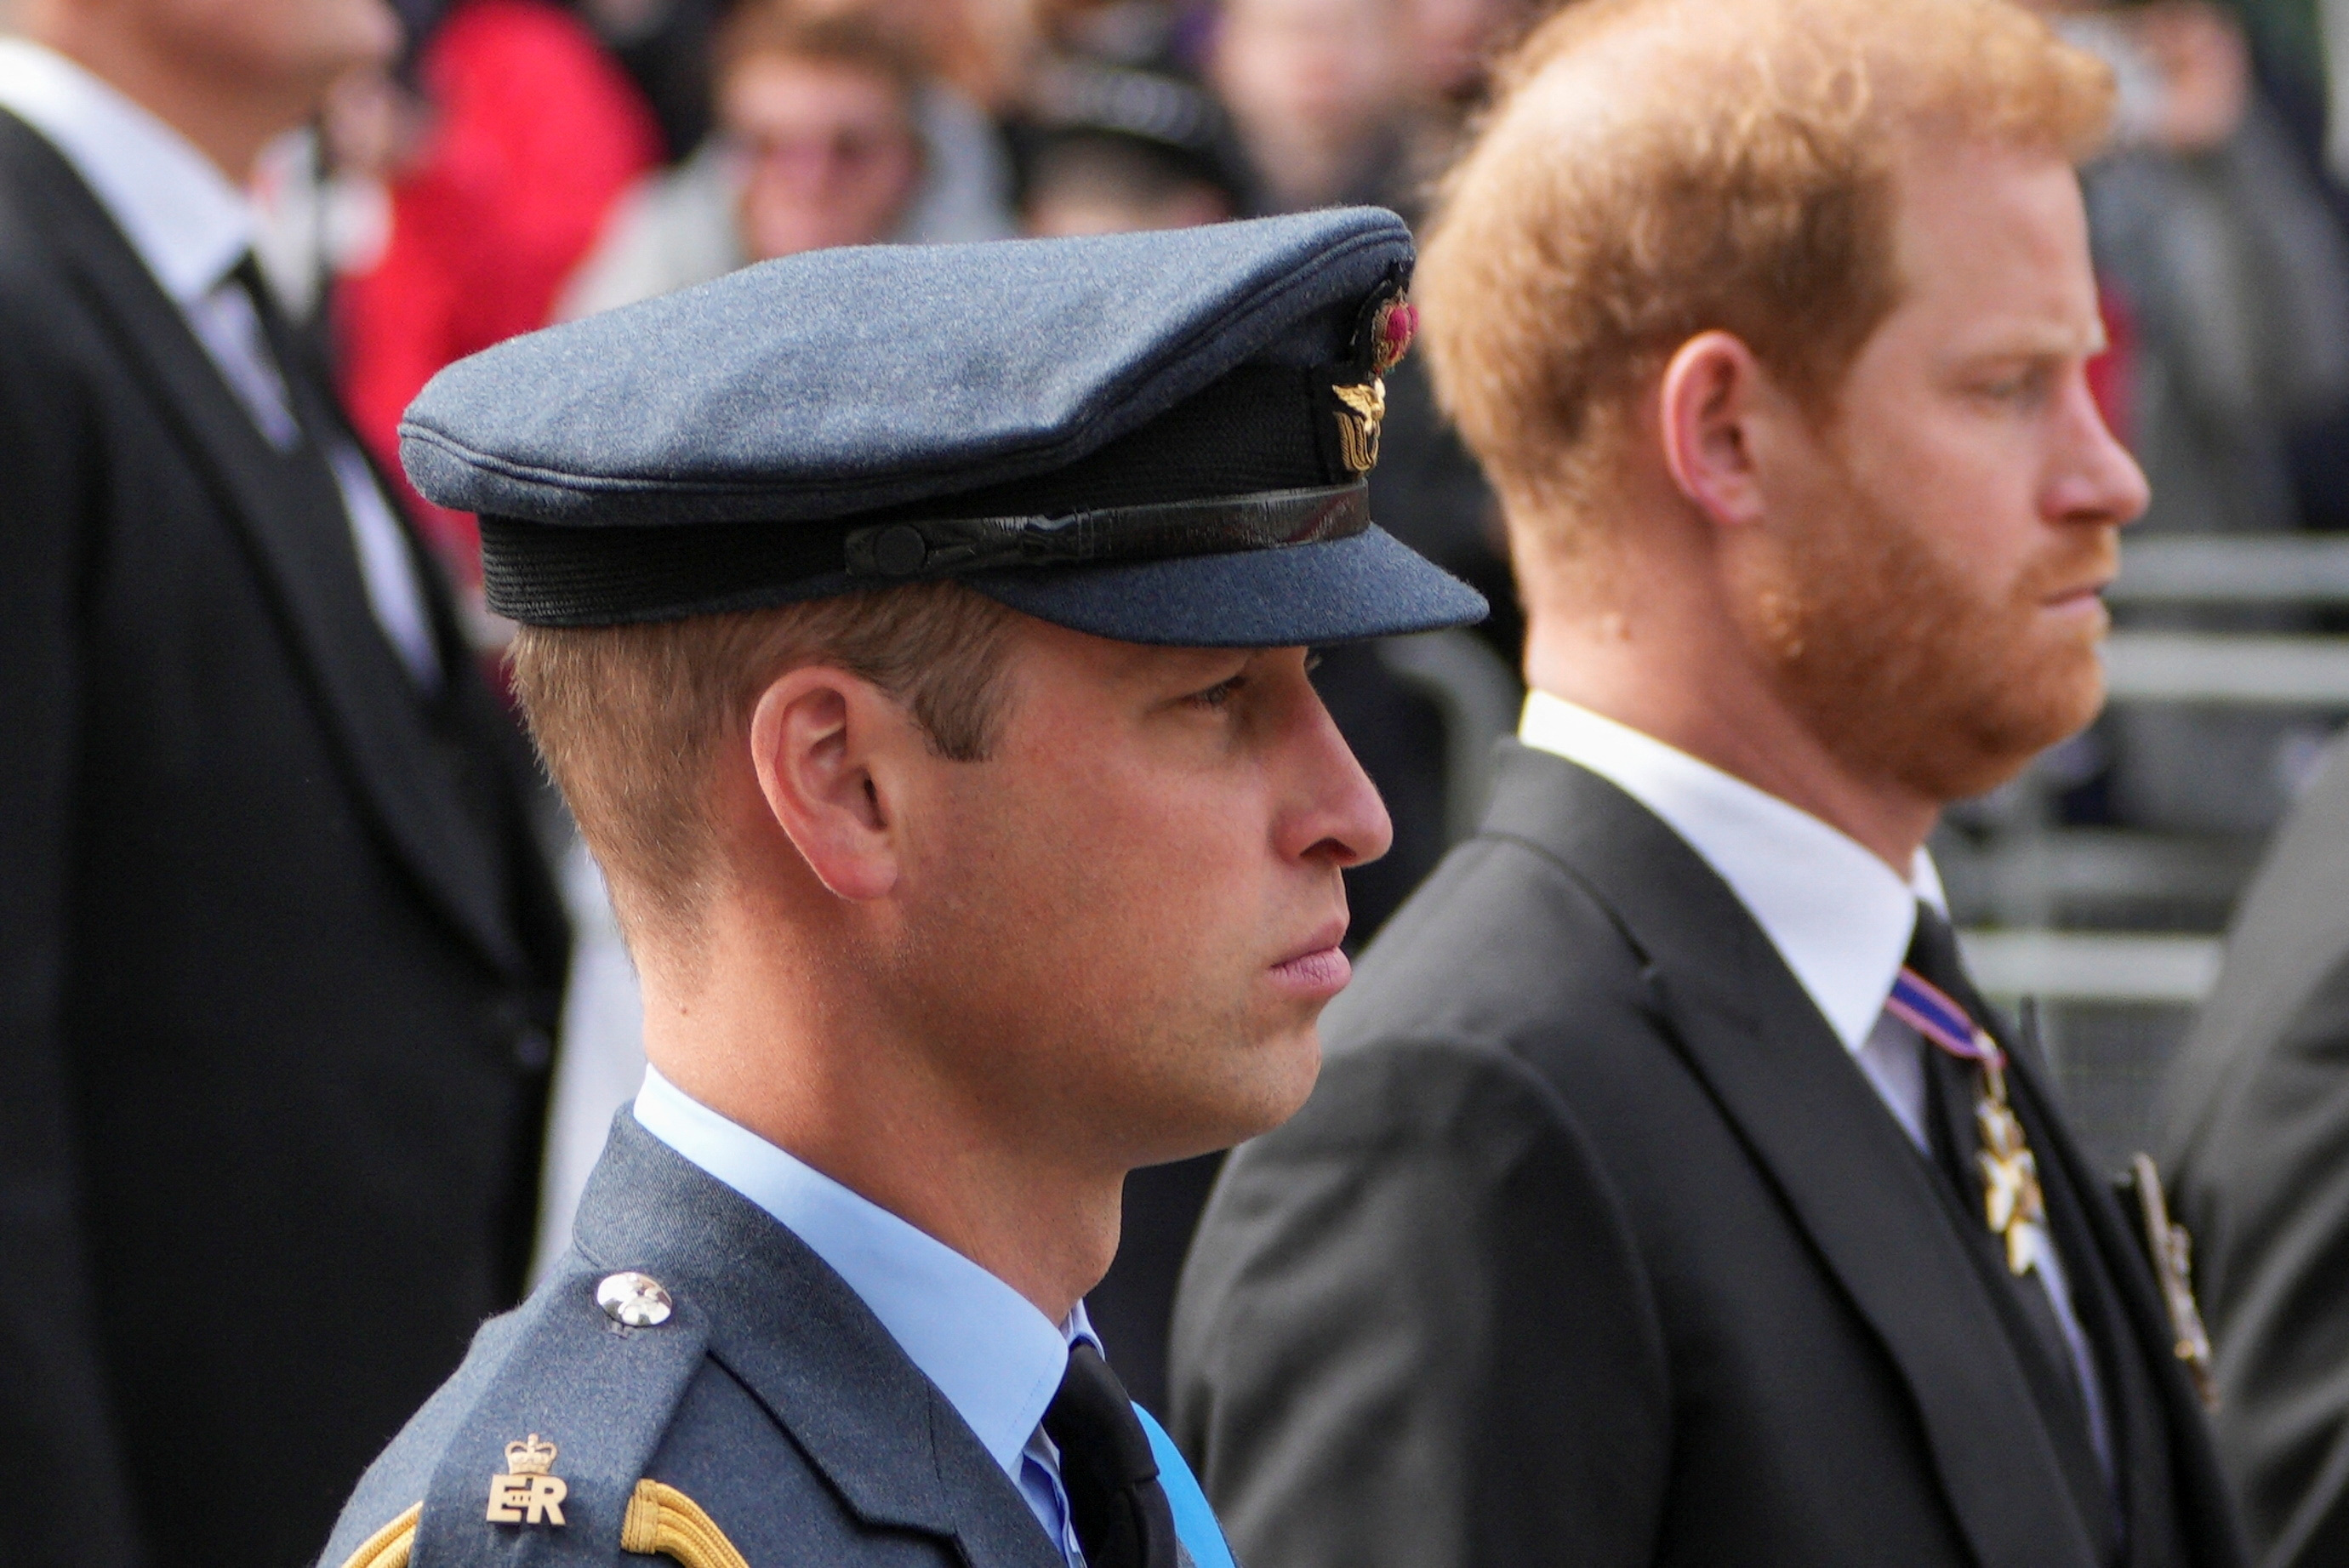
(1360, 411)
(1380, 340)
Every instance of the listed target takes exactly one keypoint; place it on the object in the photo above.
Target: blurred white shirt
(192, 227)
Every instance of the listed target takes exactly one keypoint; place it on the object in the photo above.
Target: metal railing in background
(2076, 967)
(2118, 933)
(2275, 570)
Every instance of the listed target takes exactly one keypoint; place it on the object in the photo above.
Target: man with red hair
(1670, 1196)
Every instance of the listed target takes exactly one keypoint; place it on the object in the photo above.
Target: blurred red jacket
(536, 131)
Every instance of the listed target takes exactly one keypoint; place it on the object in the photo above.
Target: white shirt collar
(998, 1360)
(187, 222)
(1839, 916)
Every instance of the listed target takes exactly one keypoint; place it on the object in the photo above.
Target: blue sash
(1195, 1521)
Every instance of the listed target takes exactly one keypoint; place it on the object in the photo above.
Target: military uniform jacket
(1594, 1246)
(771, 1415)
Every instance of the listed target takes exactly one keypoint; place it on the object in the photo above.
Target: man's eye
(1221, 692)
(2022, 387)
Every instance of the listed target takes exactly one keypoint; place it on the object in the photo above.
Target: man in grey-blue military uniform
(919, 637)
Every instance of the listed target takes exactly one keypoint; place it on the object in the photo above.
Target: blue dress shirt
(996, 1357)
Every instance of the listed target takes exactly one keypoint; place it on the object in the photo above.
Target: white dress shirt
(1841, 918)
(192, 227)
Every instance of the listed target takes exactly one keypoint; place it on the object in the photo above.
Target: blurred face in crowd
(1927, 570)
(1114, 934)
(829, 154)
(273, 41)
(1332, 69)
(1451, 38)
(1064, 212)
(1097, 187)
(275, 57)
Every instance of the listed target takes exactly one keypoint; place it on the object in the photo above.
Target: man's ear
(1712, 390)
(816, 735)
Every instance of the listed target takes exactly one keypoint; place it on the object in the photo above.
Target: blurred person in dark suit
(2255, 1135)
(278, 956)
(1670, 1195)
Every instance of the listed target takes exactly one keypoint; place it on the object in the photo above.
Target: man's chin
(2012, 725)
(1273, 1085)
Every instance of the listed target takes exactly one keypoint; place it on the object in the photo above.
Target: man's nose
(2096, 480)
(1339, 817)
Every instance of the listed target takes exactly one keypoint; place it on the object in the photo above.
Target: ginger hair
(633, 722)
(1652, 169)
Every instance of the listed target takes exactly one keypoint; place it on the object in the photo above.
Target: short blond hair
(1652, 169)
(632, 721)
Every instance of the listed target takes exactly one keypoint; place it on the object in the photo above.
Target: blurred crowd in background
(525, 161)
(529, 161)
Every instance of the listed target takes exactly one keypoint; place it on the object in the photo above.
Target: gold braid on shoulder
(662, 1520)
(390, 1547)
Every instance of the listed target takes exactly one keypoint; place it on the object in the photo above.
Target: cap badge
(1360, 410)
(525, 1493)
(1391, 330)
(1380, 340)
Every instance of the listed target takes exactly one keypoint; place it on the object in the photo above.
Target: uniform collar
(998, 1360)
(1839, 917)
(187, 222)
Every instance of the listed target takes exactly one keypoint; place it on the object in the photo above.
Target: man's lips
(2071, 598)
(1317, 966)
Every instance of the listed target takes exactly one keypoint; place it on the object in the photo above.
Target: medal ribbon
(2012, 1204)
(1928, 1009)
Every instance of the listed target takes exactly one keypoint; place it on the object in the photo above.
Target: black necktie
(1120, 1510)
(1952, 1087)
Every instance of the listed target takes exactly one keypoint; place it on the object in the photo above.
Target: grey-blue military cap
(1158, 438)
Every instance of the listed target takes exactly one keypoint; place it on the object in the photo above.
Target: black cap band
(615, 575)
(951, 547)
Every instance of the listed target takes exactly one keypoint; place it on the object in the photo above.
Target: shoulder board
(533, 1451)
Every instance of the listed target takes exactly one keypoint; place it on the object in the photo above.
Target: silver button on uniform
(634, 1299)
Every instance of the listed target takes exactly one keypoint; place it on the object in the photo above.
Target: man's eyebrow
(2032, 342)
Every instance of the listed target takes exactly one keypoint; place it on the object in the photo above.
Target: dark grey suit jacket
(279, 958)
(773, 1398)
(1593, 1247)
(2255, 1141)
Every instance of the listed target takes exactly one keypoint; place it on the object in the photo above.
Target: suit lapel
(290, 515)
(1846, 1173)
(805, 1345)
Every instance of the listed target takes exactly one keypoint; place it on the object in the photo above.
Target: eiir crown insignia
(532, 1456)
